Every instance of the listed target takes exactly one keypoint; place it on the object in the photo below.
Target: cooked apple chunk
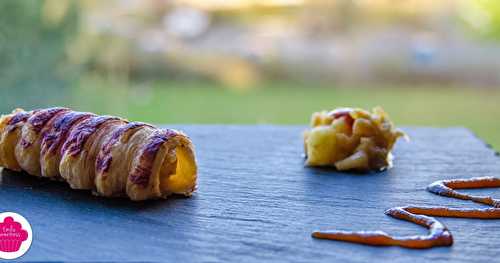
(351, 139)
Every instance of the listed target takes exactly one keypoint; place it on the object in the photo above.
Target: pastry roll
(351, 139)
(108, 155)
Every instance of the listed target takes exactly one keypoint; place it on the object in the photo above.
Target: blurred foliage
(118, 57)
(483, 17)
(32, 51)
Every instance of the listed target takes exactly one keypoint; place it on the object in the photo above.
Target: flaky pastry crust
(108, 155)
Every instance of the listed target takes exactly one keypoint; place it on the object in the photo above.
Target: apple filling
(178, 172)
(351, 139)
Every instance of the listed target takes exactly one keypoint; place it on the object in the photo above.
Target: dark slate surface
(257, 203)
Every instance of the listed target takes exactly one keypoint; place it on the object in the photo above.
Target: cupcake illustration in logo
(15, 235)
(12, 235)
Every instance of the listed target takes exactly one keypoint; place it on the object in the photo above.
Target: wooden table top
(256, 202)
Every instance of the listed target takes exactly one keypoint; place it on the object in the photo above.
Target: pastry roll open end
(164, 165)
(351, 139)
(182, 179)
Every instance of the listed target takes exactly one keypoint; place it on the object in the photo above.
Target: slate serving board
(256, 202)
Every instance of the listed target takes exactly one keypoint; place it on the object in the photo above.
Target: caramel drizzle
(438, 234)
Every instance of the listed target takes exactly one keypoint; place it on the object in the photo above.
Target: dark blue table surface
(256, 202)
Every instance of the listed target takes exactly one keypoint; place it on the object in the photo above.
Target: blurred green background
(433, 63)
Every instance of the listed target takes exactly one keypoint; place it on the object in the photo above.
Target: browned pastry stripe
(141, 173)
(104, 158)
(81, 132)
(41, 117)
(438, 235)
(57, 134)
(21, 116)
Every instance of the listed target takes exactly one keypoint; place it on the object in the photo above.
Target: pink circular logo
(15, 235)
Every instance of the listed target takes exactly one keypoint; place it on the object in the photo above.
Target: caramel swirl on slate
(438, 235)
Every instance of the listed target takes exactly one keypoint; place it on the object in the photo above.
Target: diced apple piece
(341, 126)
(321, 143)
(357, 161)
(363, 128)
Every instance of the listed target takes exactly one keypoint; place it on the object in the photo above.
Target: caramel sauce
(438, 234)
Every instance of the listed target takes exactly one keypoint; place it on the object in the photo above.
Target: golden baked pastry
(351, 139)
(108, 155)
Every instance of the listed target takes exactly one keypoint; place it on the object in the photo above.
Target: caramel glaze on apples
(438, 235)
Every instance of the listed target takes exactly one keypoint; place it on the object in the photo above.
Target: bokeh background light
(433, 63)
